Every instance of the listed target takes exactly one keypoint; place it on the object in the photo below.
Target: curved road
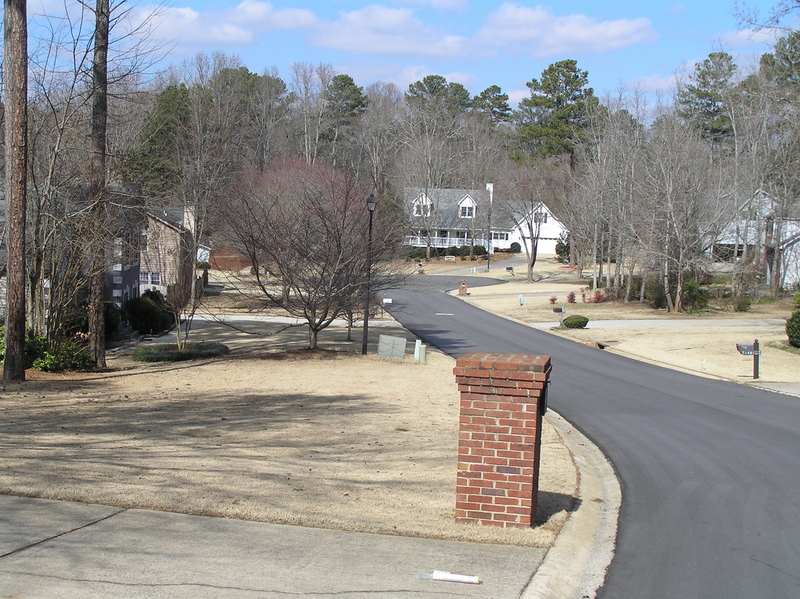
(710, 470)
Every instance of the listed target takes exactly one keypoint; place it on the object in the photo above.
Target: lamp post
(371, 202)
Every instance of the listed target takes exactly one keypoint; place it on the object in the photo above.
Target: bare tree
(16, 174)
(309, 85)
(377, 130)
(304, 229)
(524, 195)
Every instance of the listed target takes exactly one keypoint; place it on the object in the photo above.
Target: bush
(797, 300)
(515, 248)
(147, 315)
(67, 355)
(35, 346)
(793, 328)
(694, 296)
(113, 317)
(168, 352)
(742, 303)
(571, 297)
(576, 321)
(562, 248)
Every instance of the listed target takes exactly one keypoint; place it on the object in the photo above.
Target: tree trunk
(312, 337)
(98, 184)
(16, 190)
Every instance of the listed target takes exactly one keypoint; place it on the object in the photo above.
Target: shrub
(147, 315)
(113, 317)
(694, 296)
(562, 248)
(793, 328)
(35, 346)
(571, 297)
(553, 299)
(576, 321)
(168, 352)
(797, 300)
(67, 355)
(742, 303)
(515, 248)
(598, 297)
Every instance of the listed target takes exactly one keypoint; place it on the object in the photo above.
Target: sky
(478, 43)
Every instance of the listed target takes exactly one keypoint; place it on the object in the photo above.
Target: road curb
(575, 567)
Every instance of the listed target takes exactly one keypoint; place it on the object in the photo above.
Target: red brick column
(499, 437)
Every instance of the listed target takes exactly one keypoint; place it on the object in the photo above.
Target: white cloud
(751, 38)
(654, 84)
(440, 4)
(264, 16)
(379, 30)
(541, 33)
(238, 26)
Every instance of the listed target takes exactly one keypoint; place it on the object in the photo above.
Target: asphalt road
(710, 470)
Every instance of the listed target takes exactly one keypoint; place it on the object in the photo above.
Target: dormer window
(466, 207)
(422, 206)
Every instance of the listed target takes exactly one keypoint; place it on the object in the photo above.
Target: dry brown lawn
(324, 439)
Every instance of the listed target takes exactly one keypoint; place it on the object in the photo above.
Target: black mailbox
(748, 349)
(751, 349)
(558, 310)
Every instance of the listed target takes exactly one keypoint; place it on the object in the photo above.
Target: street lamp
(371, 202)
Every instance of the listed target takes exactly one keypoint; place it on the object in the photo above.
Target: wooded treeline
(644, 189)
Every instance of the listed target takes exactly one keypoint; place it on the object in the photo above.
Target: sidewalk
(70, 550)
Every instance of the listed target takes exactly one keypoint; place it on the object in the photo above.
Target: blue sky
(474, 42)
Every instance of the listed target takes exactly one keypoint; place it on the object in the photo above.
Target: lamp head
(371, 202)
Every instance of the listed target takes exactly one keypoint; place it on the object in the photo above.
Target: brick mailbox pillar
(499, 437)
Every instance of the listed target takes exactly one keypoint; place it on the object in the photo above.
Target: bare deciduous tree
(304, 229)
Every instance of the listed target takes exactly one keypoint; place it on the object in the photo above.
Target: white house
(766, 233)
(442, 218)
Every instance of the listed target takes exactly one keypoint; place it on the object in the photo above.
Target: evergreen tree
(554, 119)
(702, 102)
(154, 164)
(494, 103)
(437, 91)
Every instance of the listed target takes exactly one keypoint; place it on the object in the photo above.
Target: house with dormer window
(443, 218)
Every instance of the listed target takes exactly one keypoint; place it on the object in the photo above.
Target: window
(467, 211)
(422, 209)
(150, 278)
(143, 242)
(540, 217)
(116, 281)
(500, 236)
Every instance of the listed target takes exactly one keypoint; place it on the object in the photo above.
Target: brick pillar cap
(498, 361)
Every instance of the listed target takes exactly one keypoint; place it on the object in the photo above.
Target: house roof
(172, 217)
(446, 204)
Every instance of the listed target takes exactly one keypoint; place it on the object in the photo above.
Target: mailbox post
(751, 349)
